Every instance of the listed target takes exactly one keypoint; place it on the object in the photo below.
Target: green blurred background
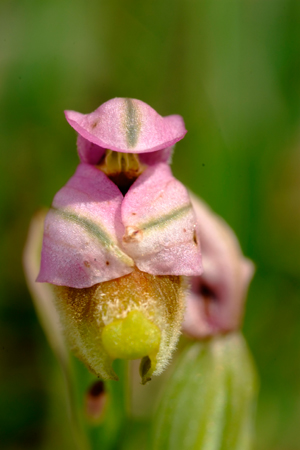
(231, 68)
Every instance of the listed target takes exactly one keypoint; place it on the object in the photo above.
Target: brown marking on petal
(94, 124)
(195, 239)
(184, 230)
(133, 235)
(87, 264)
(133, 214)
(107, 263)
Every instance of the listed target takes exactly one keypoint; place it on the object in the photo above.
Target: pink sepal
(152, 158)
(82, 232)
(126, 125)
(160, 225)
(88, 152)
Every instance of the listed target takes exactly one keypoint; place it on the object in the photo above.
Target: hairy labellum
(137, 316)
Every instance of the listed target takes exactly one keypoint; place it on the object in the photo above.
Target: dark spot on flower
(95, 259)
(96, 398)
(87, 264)
(96, 389)
(195, 237)
(145, 366)
(134, 214)
(184, 230)
(107, 263)
(94, 124)
(207, 292)
(132, 235)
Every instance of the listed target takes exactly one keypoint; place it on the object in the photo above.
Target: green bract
(210, 399)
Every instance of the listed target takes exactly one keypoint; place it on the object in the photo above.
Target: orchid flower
(119, 239)
(215, 303)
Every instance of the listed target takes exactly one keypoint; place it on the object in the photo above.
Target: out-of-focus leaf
(41, 292)
(97, 415)
(44, 303)
(210, 399)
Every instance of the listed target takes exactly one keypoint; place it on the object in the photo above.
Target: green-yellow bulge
(131, 338)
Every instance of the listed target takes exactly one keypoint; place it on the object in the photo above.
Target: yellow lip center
(131, 338)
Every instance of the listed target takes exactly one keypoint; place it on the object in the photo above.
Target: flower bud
(215, 303)
(210, 399)
(137, 316)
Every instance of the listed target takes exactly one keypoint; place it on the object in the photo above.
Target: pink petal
(80, 246)
(127, 125)
(88, 152)
(152, 158)
(216, 301)
(160, 225)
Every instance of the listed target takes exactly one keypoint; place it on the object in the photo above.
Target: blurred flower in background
(231, 69)
(216, 300)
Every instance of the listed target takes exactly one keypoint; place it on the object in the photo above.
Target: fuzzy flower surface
(119, 238)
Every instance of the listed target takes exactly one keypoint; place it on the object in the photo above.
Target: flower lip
(128, 126)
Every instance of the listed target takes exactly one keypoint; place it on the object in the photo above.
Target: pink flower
(123, 207)
(215, 303)
(128, 126)
(122, 235)
(119, 239)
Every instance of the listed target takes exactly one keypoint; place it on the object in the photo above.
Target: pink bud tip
(124, 125)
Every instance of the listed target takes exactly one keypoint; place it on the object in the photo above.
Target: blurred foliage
(209, 401)
(232, 69)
